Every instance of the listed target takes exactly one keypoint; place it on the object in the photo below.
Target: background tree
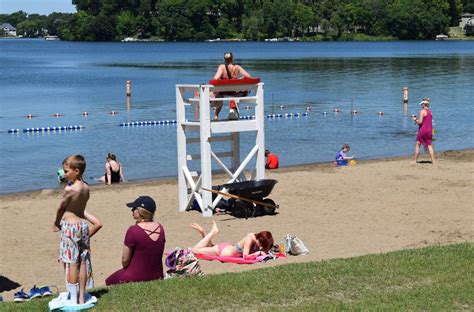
(55, 21)
(418, 19)
(250, 19)
(337, 24)
(251, 26)
(455, 11)
(89, 6)
(468, 6)
(173, 16)
(126, 24)
(304, 18)
(34, 26)
(14, 19)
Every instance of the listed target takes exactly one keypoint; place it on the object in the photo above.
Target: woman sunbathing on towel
(252, 245)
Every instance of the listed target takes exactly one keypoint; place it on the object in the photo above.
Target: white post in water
(191, 182)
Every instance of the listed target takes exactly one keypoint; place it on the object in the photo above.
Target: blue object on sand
(62, 303)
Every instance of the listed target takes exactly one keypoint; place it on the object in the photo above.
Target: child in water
(342, 159)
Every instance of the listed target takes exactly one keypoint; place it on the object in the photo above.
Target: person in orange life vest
(272, 160)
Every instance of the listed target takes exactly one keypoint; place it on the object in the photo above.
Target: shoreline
(173, 179)
(353, 38)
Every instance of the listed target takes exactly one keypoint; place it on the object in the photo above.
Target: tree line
(198, 20)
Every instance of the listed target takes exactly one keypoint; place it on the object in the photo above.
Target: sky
(43, 7)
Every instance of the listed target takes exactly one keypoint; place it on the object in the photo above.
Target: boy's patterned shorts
(74, 246)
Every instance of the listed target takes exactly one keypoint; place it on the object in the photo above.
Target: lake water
(46, 77)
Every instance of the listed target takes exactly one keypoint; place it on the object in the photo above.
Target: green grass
(436, 278)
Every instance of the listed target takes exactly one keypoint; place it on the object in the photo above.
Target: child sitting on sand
(71, 220)
(341, 158)
(252, 245)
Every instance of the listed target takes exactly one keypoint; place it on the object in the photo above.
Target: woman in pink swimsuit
(425, 130)
(252, 245)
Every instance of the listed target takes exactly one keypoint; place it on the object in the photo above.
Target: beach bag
(172, 258)
(182, 262)
(293, 245)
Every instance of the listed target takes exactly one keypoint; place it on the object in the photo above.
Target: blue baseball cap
(145, 202)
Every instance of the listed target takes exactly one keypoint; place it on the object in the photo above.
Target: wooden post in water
(405, 101)
(129, 91)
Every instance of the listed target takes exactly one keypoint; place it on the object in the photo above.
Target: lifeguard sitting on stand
(227, 71)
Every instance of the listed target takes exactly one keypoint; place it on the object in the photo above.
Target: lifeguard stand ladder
(190, 183)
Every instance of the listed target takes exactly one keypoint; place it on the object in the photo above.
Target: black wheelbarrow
(247, 198)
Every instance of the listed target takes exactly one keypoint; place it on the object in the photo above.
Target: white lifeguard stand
(193, 116)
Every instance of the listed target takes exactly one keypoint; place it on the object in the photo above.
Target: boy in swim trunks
(71, 220)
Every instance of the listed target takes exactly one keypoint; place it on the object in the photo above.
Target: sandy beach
(373, 207)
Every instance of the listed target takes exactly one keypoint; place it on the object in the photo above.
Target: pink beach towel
(238, 260)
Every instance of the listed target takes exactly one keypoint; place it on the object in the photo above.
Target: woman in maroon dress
(425, 130)
(143, 246)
